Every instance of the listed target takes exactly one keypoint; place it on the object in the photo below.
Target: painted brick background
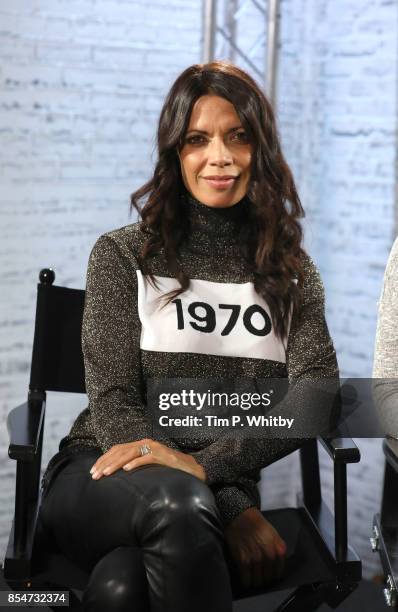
(337, 113)
(81, 86)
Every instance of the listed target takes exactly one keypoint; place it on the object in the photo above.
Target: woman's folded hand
(128, 456)
(256, 547)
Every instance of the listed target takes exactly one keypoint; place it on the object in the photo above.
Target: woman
(219, 237)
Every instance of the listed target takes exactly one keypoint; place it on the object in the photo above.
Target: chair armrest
(341, 450)
(25, 424)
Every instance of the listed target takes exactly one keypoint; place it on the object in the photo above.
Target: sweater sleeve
(385, 366)
(310, 357)
(232, 500)
(111, 349)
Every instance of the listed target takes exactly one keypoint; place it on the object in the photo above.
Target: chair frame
(384, 538)
(26, 425)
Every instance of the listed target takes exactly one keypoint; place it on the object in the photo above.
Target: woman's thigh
(87, 518)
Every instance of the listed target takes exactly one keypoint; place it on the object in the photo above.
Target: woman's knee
(182, 498)
(118, 583)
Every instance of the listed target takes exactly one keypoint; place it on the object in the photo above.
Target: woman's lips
(221, 183)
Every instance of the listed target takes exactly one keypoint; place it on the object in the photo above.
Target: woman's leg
(182, 541)
(170, 514)
(118, 583)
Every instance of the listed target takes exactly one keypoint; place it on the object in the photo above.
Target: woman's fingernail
(92, 470)
(126, 467)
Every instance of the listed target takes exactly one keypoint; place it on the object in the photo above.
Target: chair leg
(310, 597)
(389, 506)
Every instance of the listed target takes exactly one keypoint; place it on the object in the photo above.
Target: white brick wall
(337, 110)
(337, 92)
(81, 86)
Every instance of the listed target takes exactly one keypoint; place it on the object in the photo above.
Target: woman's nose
(219, 153)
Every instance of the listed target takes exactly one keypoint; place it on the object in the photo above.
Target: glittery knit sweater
(126, 341)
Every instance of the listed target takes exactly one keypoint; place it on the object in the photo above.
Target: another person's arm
(385, 366)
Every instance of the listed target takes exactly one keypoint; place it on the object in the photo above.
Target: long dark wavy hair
(272, 244)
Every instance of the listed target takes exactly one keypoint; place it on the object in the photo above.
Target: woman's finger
(145, 459)
(101, 462)
(109, 463)
(121, 452)
(105, 460)
(100, 466)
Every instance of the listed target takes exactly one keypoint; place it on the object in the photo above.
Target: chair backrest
(57, 359)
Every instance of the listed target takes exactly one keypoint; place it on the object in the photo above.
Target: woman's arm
(385, 367)
(111, 349)
(310, 357)
(233, 499)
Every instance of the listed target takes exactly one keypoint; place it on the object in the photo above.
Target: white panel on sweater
(210, 318)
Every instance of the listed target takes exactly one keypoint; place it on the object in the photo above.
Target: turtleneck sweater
(126, 341)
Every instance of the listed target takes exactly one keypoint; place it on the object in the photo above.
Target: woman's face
(215, 156)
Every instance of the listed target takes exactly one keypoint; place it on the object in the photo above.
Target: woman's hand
(256, 547)
(128, 456)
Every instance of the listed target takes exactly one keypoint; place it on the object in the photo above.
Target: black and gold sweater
(127, 339)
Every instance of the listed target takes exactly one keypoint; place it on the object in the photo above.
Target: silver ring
(145, 450)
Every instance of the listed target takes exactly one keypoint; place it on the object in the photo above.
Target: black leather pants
(151, 538)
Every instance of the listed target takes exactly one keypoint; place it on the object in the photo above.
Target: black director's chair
(321, 567)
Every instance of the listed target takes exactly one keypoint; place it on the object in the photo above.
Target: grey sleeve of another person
(385, 367)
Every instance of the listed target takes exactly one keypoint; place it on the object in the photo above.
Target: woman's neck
(213, 228)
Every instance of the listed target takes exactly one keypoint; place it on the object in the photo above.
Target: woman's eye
(198, 139)
(194, 139)
(241, 136)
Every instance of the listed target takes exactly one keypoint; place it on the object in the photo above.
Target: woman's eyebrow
(233, 129)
